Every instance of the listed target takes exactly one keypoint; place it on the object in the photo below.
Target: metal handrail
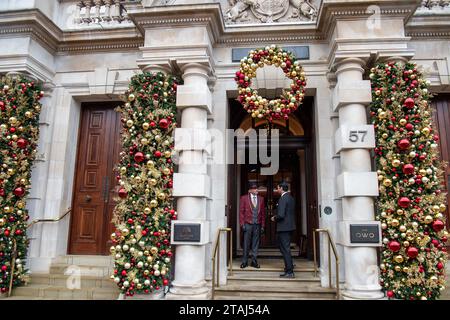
(14, 256)
(331, 245)
(217, 249)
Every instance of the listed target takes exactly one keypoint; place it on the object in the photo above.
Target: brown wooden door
(93, 201)
(441, 106)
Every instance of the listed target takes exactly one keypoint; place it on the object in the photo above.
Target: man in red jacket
(252, 221)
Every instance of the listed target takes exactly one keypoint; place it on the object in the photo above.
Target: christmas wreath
(289, 101)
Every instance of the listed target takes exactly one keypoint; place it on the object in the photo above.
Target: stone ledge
(357, 184)
(351, 92)
(191, 185)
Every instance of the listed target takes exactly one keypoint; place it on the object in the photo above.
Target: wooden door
(93, 199)
(441, 106)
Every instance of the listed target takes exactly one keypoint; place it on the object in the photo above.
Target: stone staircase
(265, 283)
(72, 278)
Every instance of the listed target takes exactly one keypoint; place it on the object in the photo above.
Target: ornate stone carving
(270, 11)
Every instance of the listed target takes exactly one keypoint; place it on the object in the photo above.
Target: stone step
(45, 292)
(88, 270)
(275, 265)
(67, 281)
(275, 292)
(85, 260)
(219, 296)
(270, 277)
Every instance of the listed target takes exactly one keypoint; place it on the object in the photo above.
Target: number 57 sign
(355, 137)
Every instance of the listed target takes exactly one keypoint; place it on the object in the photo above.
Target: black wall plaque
(186, 232)
(300, 52)
(328, 210)
(364, 233)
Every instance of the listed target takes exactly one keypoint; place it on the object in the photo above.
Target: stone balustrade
(101, 12)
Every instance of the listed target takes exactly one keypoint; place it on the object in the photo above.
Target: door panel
(97, 143)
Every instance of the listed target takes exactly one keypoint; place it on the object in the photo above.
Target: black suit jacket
(286, 213)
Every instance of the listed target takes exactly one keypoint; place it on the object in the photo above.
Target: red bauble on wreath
(404, 202)
(404, 144)
(394, 246)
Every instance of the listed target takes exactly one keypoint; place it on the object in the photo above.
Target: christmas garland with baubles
(19, 133)
(144, 211)
(411, 204)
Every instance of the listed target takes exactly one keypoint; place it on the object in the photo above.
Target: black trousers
(252, 233)
(284, 243)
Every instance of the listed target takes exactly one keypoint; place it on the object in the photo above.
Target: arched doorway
(297, 167)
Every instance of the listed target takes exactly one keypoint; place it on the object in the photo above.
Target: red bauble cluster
(404, 202)
(394, 246)
(408, 169)
(139, 157)
(409, 103)
(404, 144)
(412, 252)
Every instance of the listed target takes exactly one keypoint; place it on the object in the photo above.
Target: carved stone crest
(269, 11)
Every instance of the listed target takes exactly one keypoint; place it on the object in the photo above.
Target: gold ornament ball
(13, 120)
(28, 114)
(168, 154)
(2, 222)
(154, 250)
(144, 141)
(14, 137)
(20, 205)
(398, 259)
(153, 203)
(153, 182)
(150, 164)
(426, 131)
(387, 182)
(130, 123)
(395, 222)
(396, 163)
(397, 268)
(147, 211)
(405, 269)
(400, 212)
(442, 207)
(161, 196)
(436, 208)
(403, 122)
(402, 228)
(406, 243)
(434, 278)
(166, 171)
(428, 219)
(145, 126)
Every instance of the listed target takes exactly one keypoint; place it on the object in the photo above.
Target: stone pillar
(191, 183)
(357, 184)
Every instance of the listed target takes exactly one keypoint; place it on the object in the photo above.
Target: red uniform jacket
(245, 211)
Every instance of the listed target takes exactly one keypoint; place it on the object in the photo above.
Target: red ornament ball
(412, 252)
(158, 154)
(438, 225)
(404, 202)
(394, 246)
(22, 143)
(165, 282)
(163, 123)
(19, 192)
(440, 266)
(390, 294)
(409, 127)
(123, 193)
(404, 144)
(139, 157)
(408, 169)
(409, 103)
(2, 192)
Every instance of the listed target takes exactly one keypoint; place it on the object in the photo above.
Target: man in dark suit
(285, 219)
(252, 221)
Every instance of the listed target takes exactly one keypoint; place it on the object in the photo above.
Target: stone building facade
(85, 53)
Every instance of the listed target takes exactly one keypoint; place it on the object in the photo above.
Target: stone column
(191, 183)
(357, 184)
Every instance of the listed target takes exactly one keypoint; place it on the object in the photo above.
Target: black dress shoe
(256, 265)
(244, 265)
(287, 275)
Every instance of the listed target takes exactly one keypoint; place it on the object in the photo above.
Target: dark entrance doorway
(297, 167)
(99, 145)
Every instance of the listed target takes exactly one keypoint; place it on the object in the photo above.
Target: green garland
(411, 204)
(144, 212)
(19, 133)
